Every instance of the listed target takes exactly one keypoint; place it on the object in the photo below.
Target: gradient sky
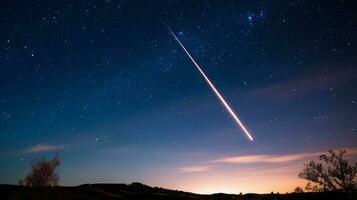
(104, 84)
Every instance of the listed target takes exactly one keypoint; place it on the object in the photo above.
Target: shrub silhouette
(42, 173)
(333, 174)
(298, 190)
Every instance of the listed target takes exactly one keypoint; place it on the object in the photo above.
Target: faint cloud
(324, 81)
(287, 159)
(265, 158)
(43, 148)
(192, 169)
(272, 158)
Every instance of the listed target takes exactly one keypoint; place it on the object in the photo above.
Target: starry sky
(105, 85)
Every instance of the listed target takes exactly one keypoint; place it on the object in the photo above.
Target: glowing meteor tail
(220, 97)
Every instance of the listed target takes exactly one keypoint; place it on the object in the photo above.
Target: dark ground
(140, 191)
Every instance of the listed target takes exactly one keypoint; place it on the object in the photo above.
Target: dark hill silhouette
(140, 191)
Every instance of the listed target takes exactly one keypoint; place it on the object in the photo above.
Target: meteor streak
(220, 97)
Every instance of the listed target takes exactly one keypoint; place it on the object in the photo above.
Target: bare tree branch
(42, 173)
(333, 174)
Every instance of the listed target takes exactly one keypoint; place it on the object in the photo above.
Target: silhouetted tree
(333, 174)
(298, 190)
(42, 173)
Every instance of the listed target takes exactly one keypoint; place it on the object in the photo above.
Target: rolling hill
(140, 191)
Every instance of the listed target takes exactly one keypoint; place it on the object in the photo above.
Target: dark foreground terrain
(140, 191)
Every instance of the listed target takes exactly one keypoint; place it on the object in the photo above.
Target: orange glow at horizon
(255, 173)
(235, 182)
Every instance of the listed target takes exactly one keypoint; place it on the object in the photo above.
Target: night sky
(105, 85)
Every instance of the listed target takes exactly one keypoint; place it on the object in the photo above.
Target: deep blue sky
(104, 84)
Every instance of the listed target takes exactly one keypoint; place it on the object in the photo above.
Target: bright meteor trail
(220, 97)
